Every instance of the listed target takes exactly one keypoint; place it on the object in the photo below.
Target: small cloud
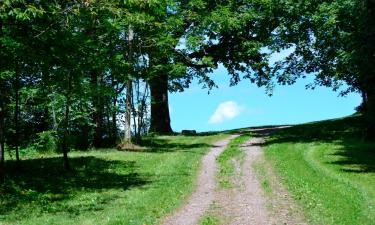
(226, 111)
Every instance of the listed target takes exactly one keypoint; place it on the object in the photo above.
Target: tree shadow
(356, 157)
(39, 178)
(159, 145)
(356, 154)
(208, 133)
(325, 131)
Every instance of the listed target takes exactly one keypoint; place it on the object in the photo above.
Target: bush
(46, 141)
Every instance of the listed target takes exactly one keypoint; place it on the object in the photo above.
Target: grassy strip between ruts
(228, 158)
(211, 216)
(263, 176)
(328, 169)
(106, 186)
(209, 220)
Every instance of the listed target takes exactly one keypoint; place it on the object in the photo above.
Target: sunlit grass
(328, 169)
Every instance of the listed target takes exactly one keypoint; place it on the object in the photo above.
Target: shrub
(46, 141)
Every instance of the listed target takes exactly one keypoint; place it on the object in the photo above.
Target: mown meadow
(106, 186)
(328, 168)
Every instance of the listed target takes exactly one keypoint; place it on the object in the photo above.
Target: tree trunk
(16, 116)
(65, 147)
(370, 74)
(114, 120)
(2, 167)
(370, 116)
(160, 119)
(128, 112)
(2, 172)
(134, 113)
(129, 91)
(97, 114)
(143, 114)
(364, 99)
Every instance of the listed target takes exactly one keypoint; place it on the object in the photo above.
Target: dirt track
(244, 204)
(204, 195)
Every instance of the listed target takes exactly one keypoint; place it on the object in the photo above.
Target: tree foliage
(66, 66)
(335, 41)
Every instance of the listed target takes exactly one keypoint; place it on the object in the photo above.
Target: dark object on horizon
(189, 132)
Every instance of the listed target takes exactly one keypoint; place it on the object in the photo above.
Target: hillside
(325, 167)
(328, 168)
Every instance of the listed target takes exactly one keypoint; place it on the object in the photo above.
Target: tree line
(93, 73)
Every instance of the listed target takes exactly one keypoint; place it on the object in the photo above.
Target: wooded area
(96, 73)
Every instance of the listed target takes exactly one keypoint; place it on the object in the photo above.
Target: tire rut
(245, 203)
(204, 195)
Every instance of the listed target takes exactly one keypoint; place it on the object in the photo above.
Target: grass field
(326, 166)
(328, 169)
(106, 186)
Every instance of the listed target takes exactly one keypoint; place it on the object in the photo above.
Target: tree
(333, 40)
(187, 39)
(30, 34)
(129, 90)
(12, 44)
(2, 141)
(2, 100)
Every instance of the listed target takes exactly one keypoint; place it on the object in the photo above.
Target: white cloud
(226, 111)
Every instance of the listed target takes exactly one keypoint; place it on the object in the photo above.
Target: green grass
(262, 173)
(227, 158)
(328, 169)
(106, 186)
(212, 216)
(209, 220)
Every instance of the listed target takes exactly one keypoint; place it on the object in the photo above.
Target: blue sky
(247, 105)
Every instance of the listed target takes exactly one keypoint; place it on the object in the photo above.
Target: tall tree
(129, 89)
(13, 45)
(187, 39)
(2, 144)
(333, 40)
(2, 100)
(17, 113)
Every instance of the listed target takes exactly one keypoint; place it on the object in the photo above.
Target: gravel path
(246, 203)
(204, 195)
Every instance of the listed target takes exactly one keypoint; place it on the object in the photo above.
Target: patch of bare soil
(131, 147)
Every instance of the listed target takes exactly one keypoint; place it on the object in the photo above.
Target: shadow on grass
(43, 181)
(356, 157)
(348, 132)
(325, 131)
(158, 145)
(200, 134)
